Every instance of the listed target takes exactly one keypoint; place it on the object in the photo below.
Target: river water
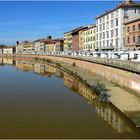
(40, 101)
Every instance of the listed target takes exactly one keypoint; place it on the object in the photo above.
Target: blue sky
(24, 20)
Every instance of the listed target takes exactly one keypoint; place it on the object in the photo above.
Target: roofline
(122, 5)
(90, 27)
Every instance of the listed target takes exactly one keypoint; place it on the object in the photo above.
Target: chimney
(17, 42)
(49, 37)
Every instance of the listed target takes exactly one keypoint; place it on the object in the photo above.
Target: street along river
(40, 101)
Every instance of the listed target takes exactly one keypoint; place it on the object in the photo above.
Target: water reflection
(120, 124)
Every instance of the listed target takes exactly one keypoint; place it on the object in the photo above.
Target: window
(107, 17)
(100, 35)
(133, 27)
(103, 43)
(134, 40)
(107, 25)
(100, 44)
(100, 27)
(135, 11)
(107, 43)
(103, 26)
(111, 33)
(111, 44)
(91, 46)
(116, 21)
(107, 34)
(116, 30)
(112, 23)
(128, 40)
(103, 35)
(139, 39)
(117, 42)
(128, 29)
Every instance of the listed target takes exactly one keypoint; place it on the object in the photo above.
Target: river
(40, 101)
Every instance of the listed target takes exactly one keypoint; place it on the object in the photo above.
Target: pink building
(132, 34)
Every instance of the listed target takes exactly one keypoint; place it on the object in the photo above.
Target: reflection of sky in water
(40, 106)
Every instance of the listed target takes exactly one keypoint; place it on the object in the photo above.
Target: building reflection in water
(24, 65)
(1, 61)
(114, 118)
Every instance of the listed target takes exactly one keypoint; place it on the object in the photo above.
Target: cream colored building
(67, 41)
(9, 50)
(40, 46)
(28, 48)
(25, 47)
(89, 41)
(19, 47)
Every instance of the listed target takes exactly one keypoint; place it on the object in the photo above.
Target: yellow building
(51, 46)
(89, 41)
(28, 48)
(67, 41)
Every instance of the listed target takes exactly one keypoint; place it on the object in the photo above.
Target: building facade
(81, 40)
(9, 50)
(89, 41)
(39, 46)
(132, 34)
(67, 41)
(59, 45)
(75, 38)
(19, 47)
(110, 25)
(28, 48)
(50, 46)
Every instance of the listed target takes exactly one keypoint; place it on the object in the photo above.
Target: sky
(30, 20)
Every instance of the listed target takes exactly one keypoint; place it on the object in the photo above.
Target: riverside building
(67, 41)
(89, 35)
(132, 34)
(110, 25)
